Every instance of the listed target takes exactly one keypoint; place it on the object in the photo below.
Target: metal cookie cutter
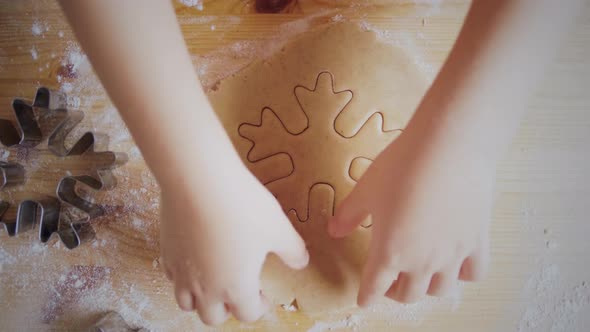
(52, 213)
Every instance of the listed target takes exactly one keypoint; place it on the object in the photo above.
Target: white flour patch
(198, 4)
(289, 307)
(225, 21)
(74, 57)
(137, 223)
(84, 91)
(337, 18)
(4, 154)
(119, 135)
(34, 53)
(38, 28)
(398, 312)
(131, 303)
(81, 85)
(196, 19)
(553, 306)
(351, 323)
(5, 258)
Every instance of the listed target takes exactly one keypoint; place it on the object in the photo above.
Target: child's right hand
(216, 231)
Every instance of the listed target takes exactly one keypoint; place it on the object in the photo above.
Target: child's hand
(431, 206)
(216, 233)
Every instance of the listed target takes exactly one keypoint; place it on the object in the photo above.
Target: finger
(290, 247)
(184, 298)
(376, 279)
(212, 312)
(349, 214)
(475, 267)
(409, 288)
(249, 308)
(444, 283)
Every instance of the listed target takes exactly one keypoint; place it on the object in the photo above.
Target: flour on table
(553, 305)
(406, 41)
(351, 323)
(198, 4)
(39, 28)
(4, 154)
(34, 53)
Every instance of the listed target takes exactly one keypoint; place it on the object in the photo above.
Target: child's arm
(218, 222)
(430, 193)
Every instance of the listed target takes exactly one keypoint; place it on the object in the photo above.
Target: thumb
(349, 214)
(290, 247)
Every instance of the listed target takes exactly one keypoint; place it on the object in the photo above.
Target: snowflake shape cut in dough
(319, 154)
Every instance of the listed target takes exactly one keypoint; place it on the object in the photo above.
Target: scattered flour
(289, 307)
(34, 53)
(337, 18)
(197, 19)
(119, 136)
(79, 283)
(224, 21)
(155, 263)
(198, 4)
(75, 59)
(4, 154)
(552, 305)
(406, 41)
(38, 28)
(351, 323)
(137, 223)
(5, 258)
(399, 313)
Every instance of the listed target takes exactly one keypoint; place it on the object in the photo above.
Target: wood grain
(540, 246)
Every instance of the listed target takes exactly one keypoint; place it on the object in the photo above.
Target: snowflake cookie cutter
(53, 213)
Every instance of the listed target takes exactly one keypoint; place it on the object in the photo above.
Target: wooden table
(539, 279)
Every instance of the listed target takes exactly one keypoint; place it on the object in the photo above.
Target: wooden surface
(539, 279)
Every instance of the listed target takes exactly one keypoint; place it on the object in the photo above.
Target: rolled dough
(307, 121)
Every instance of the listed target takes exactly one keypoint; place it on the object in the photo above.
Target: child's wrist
(454, 139)
(216, 163)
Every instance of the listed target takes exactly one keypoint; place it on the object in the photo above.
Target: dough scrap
(307, 122)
